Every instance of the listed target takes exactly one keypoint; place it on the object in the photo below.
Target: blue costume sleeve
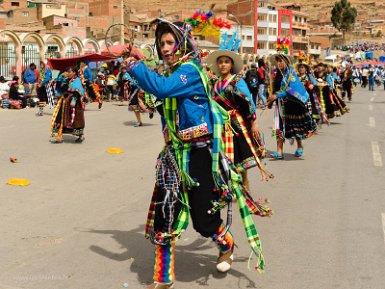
(329, 80)
(127, 76)
(295, 87)
(184, 82)
(88, 75)
(336, 77)
(47, 76)
(312, 79)
(281, 94)
(76, 85)
(243, 88)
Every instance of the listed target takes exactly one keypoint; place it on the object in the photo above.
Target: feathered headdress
(206, 24)
(282, 45)
(283, 51)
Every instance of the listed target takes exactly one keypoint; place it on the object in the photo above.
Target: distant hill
(171, 6)
(320, 11)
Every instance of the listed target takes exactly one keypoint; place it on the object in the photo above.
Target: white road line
(383, 224)
(377, 159)
(372, 99)
(8, 126)
(372, 122)
(370, 107)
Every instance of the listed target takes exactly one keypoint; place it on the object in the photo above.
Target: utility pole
(122, 22)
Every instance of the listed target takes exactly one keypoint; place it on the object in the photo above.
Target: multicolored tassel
(224, 240)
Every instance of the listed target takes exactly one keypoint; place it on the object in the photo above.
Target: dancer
(308, 81)
(86, 77)
(68, 117)
(242, 138)
(292, 119)
(189, 178)
(45, 91)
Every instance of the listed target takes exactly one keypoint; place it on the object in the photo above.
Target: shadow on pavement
(132, 123)
(191, 265)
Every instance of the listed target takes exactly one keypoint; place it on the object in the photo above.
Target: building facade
(269, 21)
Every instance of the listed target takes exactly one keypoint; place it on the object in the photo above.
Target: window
(261, 45)
(285, 19)
(15, 4)
(285, 32)
(273, 18)
(116, 7)
(272, 31)
(261, 4)
(249, 37)
(262, 17)
(262, 31)
(25, 13)
(272, 45)
(90, 14)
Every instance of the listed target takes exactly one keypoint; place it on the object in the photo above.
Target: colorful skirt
(67, 119)
(292, 119)
(331, 103)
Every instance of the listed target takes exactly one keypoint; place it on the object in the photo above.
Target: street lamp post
(122, 21)
(240, 28)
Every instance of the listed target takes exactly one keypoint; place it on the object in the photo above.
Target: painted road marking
(377, 159)
(370, 107)
(383, 224)
(371, 99)
(8, 126)
(372, 122)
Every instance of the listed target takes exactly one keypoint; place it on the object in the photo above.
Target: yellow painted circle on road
(114, 151)
(18, 182)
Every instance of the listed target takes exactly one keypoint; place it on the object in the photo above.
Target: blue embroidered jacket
(88, 75)
(186, 85)
(294, 88)
(47, 76)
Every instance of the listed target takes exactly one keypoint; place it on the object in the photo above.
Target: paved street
(80, 223)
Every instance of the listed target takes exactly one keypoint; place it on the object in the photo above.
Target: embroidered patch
(183, 78)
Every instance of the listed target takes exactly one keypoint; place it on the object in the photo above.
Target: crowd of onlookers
(24, 91)
(361, 46)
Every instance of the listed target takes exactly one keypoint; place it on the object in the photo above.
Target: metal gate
(7, 61)
(71, 52)
(52, 51)
(29, 54)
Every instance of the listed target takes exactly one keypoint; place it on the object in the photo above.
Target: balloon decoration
(206, 24)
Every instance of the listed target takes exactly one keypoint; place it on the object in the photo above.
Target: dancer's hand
(271, 100)
(255, 133)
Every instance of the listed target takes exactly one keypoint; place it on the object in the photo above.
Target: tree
(343, 16)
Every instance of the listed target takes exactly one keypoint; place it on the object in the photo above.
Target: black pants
(200, 197)
(42, 94)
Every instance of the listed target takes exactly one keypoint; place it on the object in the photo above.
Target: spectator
(16, 97)
(263, 77)
(252, 81)
(4, 90)
(44, 90)
(30, 79)
(371, 78)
